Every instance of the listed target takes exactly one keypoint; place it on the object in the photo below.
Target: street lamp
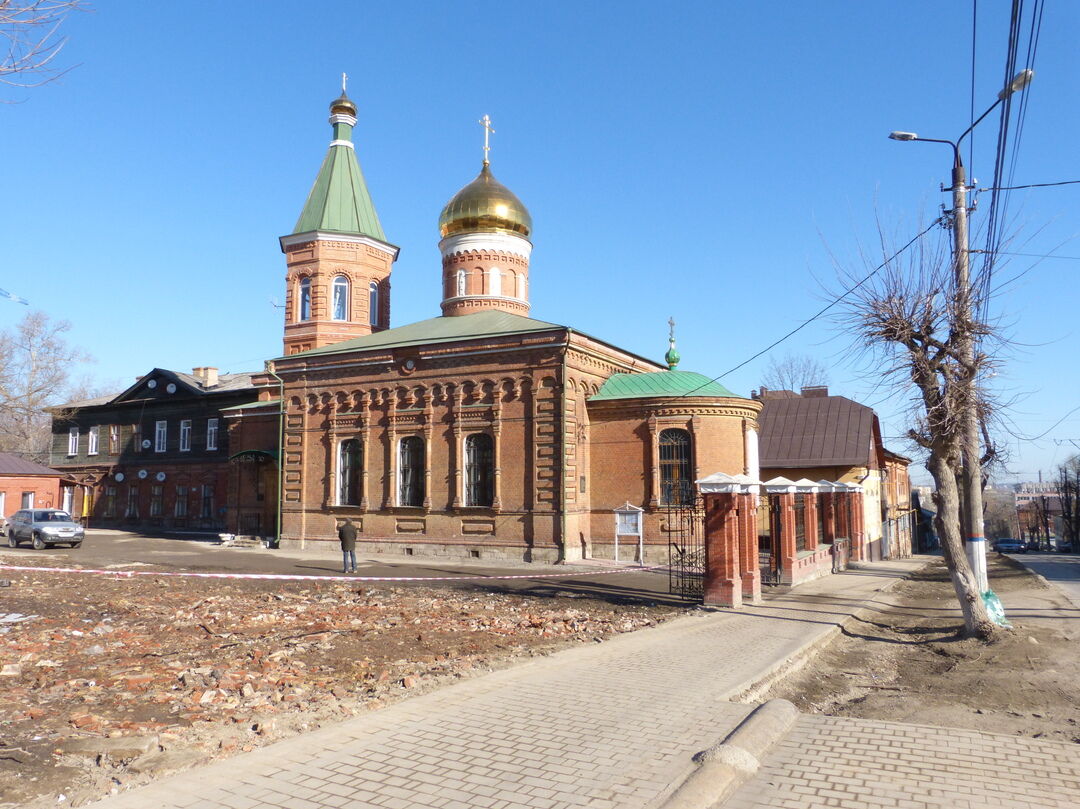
(972, 478)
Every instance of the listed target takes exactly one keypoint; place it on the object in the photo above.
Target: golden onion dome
(485, 205)
(343, 105)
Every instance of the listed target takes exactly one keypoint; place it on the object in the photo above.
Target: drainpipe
(562, 451)
(281, 446)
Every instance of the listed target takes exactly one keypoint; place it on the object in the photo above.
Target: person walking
(347, 534)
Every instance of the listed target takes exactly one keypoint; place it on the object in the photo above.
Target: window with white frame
(92, 441)
(461, 283)
(185, 435)
(411, 472)
(114, 439)
(27, 499)
(161, 435)
(340, 309)
(305, 299)
(211, 433)
(494, 281)
(520, 282)
(180, 508)
(73, 441)
(373, 304)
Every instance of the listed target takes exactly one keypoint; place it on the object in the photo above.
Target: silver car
(44, 527)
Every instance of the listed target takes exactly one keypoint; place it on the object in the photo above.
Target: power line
(816, 315)
(1055, 424)
(1029, 185)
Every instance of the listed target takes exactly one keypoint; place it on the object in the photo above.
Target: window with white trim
(520, 282)
(114, 439)
(211, 433)
(340, 296)
(185, 435)
(73, 441)
(461, 283)
(305, 299)
(161, 435)
(494, 281)
(27, 499)
(373, 304)
(92, 441)
(180, 507)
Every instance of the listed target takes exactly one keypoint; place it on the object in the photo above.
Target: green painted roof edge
(660, 384)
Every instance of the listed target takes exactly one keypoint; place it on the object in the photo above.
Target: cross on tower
(344, 78)
(488, 130)
(671, 329)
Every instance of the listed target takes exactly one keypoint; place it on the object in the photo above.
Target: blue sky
(711, 161)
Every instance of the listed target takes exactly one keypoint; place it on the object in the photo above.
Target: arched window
(373, 304)
(479, 470)
(305, 299)
(349, 463)
(676, 482)
(461, 283)
(494, 281)
(411, 471)
(521, 285)
(341, 298)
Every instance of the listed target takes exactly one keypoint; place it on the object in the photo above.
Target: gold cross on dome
(488, 130)
(671, 327)
(344, 79)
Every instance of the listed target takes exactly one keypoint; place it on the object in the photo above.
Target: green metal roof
(437, 330)
(660, 383)
(339, 200)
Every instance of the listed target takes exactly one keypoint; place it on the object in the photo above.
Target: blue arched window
(373, 303)
(341, 298)
(305, 299)
(676, 481)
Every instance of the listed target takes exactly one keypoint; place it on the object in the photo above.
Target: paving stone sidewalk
(603, 726)
(866, 764)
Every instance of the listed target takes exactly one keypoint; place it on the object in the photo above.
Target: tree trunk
(977, 621)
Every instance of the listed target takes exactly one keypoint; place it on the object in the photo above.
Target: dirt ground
(107, 682)
(907, 663)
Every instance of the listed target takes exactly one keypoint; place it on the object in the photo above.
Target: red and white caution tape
(297, 577)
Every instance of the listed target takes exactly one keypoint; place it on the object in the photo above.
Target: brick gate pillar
(722, 586)
(812, 500)
(748, 547)
(788, 555)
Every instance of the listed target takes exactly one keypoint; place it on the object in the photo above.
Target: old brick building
(480, 432)
(155, 456)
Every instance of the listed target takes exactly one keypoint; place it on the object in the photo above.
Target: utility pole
(971, 519)
(972, 499)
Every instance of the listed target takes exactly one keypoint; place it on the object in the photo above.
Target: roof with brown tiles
(14, 465)
(815, 431)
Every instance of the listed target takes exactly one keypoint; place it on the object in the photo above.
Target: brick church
(482, 432)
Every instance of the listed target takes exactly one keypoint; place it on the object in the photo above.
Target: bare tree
(36, 363)
(31, 28)
(910, 319)
(1069, 496)
(794, 372)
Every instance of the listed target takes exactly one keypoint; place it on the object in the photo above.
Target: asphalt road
(1061, 569)
(122, 550)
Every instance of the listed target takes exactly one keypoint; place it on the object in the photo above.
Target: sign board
(628, 522)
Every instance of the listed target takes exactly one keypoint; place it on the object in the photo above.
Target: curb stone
(725, 766)
(750, 690)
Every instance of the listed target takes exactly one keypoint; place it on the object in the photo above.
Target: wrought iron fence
(685, 525)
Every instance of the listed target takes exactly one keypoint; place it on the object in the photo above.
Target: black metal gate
(768, 530)
(685, 526)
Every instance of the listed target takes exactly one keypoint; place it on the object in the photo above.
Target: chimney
(815, 391)
(206, 375)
